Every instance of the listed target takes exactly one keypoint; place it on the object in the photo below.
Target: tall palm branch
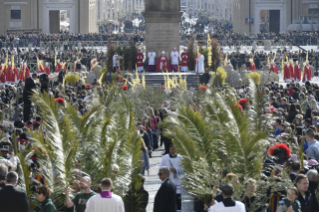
(248, 143)
(61, 143)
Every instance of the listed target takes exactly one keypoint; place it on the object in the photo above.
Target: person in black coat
(165, 199)
(27, 94)
(12, 199)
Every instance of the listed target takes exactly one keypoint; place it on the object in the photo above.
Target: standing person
(151, 60)
(27, 94)
(93, 63)
(199, 64)
(250, 200)
(313, 178)
(174, 60)
(106, 200)
(47, 69)
(291, 69)
(173, 160)
(139, 60)
(162, 63)
(286, 73)
(273, 67)
(313, 145)
(58, 66)
(3, 74)
(116, 62)
(307, 75)
(24, 72)
(252, 66)
(43, 196)
(228, 204)
(81, 198)
(306, 199)
(184, 58)
(165, 199)
(297, 72)
(290, 203)
(12, 199)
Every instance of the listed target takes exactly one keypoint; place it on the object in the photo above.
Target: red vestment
(286, 73)
(291, 70)
(184, 57)
(139, 59)
(92, 65)
(308, 73)
(24, 73)
(252, 67)
(59, 67)
(273, 68)
(297, 73)
(12, 75)
(162, 63)
(41, 69)
(47, 70)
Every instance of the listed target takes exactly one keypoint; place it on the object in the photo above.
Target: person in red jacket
(139, 60)
(184, 59)
(286, 72)
(252, 66)
(291, 69)
(273, 67)
(307, 75)
(297, 72)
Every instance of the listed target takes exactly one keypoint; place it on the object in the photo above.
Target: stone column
(162, 25)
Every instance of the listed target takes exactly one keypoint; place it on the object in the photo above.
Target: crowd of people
(292, 109)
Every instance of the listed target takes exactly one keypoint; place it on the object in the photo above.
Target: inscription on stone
(163, 38)
(15, 24)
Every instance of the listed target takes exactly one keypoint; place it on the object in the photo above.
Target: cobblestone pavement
(152, 182)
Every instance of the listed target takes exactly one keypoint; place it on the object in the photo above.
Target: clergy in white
(172, 160)
(174, 58)
(200, 67)
(106, 200)
(116, 62)
(228, 204)
(151, 60)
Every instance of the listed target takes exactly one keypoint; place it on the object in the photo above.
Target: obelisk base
(162, 31)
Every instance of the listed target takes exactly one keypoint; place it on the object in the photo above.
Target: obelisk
(162, 19)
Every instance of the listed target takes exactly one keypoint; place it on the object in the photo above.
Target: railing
(243, 44)
(99, 45)
(58, 1)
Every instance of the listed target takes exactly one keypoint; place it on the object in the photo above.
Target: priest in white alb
(106, 200)
(116, 62)
(151, 60)
(199, 64)
(173, 161)
(174, 58)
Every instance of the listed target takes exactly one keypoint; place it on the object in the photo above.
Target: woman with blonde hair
(313, 104)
